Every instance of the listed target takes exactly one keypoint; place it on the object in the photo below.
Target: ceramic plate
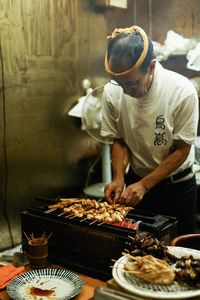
(139, 287)
(45, 284)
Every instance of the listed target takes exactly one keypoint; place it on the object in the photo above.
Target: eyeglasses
(125, 85)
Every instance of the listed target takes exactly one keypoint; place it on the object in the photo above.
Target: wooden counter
(89, 286)
(87, 292)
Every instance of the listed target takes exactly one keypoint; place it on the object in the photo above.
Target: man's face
(134, 84)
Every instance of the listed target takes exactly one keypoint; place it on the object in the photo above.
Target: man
(151, 114)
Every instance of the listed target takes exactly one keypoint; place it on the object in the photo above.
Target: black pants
(171, 199)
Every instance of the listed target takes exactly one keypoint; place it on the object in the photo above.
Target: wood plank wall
(39, 44)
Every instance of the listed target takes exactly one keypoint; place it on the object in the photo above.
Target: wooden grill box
(86, 248)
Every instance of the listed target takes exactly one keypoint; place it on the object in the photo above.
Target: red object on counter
(7, 273)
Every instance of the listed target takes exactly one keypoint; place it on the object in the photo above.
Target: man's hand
(133, 194)
(113, 191)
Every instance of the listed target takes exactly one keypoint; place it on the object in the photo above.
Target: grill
(89, 247)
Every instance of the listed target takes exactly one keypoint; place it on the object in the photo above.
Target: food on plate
(34, 291)
(186, 269)
(140, 246)
(92, 209)
(150, 269)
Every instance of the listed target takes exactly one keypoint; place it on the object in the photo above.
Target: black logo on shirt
(160, 131)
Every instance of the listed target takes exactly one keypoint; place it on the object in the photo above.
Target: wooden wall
(157, 17)
(40, 145)
(47, 48)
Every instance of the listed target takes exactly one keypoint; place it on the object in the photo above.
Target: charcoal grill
(88, 247)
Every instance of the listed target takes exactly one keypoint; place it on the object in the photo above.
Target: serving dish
(44, 284)
(139, 287)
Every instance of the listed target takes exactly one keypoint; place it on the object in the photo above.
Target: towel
(7, 273)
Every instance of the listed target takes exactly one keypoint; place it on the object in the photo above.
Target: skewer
(93, 222)
(49, 236)
(131, 237)
(120, 263)
(101, 223)
(63, 213)
(68, 216)
(26, 236)
(74, 216)
(50, 210)
(83, 220)
(126, 250)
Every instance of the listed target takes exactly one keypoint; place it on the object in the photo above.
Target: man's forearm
(169, 165)
(120, 159)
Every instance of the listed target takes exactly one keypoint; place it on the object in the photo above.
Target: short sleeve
(109, 125)
(186, 118)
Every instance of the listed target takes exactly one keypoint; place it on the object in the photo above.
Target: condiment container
(38, 254)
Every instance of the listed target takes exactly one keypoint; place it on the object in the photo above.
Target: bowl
(187, 241)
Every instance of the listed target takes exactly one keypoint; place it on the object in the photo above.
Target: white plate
(60, 284)
(139, 287)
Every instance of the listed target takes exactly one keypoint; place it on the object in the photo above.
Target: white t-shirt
(149, 124)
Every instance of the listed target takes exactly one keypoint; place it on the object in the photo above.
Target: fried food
(150, 269)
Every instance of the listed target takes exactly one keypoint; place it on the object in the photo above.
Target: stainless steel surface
(103, 293)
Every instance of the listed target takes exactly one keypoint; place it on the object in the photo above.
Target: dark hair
(128, 47)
